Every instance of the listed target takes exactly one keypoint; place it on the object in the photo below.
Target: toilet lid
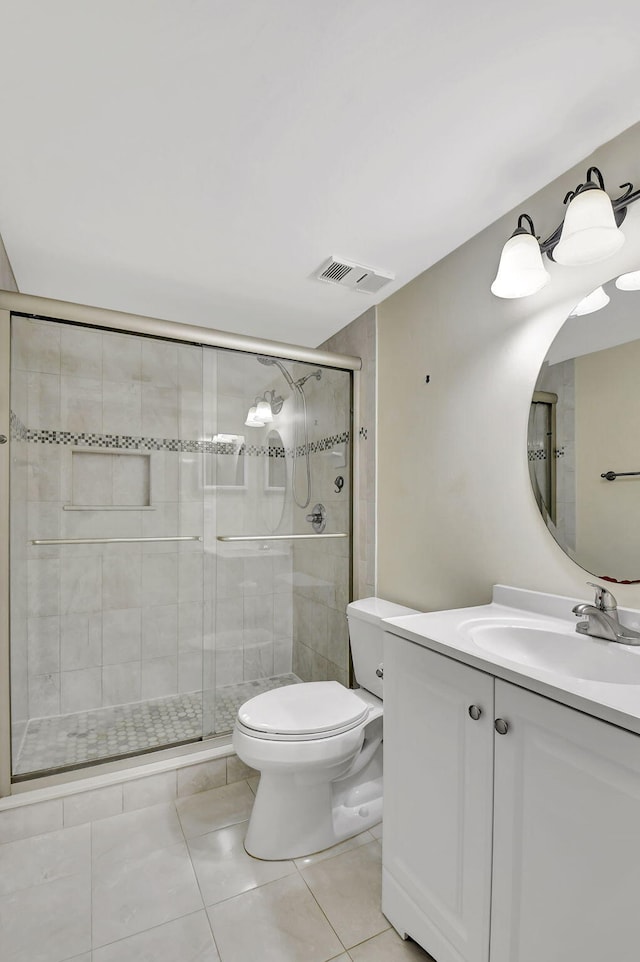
(305, 709)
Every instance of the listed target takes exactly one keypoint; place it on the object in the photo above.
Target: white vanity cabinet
(515, 847)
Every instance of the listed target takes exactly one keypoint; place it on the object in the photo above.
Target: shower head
(264, 359)
(303, 380)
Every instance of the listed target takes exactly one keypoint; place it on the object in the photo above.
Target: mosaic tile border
(542, 455)
(20, 432)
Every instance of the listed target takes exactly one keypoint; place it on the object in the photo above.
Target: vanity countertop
(601, 679)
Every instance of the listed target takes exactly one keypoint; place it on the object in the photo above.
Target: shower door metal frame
(5, 464)
(29, 305)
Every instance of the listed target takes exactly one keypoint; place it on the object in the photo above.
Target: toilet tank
(366, 633)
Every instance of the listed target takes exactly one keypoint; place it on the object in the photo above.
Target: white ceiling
(198, 159)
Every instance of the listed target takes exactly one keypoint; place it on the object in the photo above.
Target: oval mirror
(583, 444)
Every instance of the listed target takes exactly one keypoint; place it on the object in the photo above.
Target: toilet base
(291, 819)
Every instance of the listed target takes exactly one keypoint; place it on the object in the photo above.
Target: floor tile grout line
(322, 910)
(133, 935)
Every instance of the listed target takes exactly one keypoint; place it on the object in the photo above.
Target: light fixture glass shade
(252, 420)
(521, 271)
(589, 231)
(629, 282)
(594, 301)
(263, 412)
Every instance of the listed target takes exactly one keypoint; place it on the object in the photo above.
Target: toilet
(318, 748)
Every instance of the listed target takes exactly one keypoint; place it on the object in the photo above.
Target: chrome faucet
(602, 619)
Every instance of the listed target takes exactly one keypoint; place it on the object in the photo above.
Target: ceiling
(197, 160)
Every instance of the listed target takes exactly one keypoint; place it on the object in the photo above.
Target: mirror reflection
(584, 433)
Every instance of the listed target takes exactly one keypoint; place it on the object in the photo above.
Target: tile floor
(172, 883)
(70, 741)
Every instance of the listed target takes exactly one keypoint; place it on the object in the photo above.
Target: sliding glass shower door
(180, 538)
(107, 560)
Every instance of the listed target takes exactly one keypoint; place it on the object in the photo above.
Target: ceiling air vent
(355, 277)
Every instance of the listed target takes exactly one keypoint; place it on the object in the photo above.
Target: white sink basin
(552, 646)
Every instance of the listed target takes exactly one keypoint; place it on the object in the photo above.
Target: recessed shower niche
(109, 480)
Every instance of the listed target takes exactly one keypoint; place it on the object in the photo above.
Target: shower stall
(179, 530)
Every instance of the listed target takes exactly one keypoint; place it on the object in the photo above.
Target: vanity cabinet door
(438, 788)
(566, 835)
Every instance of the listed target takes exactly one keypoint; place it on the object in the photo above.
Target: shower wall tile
(80, 690)
(190, 627)
(80, 404)
(43, 586)
(159, 411)
(121, 636)
(257, 654)
(81, 641)
(44, 695)
(42, 347)
(229, 666)
(162, 522)
(159, 631)
(121, 357)
(190, 368)
(258, 576)
(229, 577)
(165, 476)
(122, 407)
(44, 645)
(80, 353)
(81, 585)
(282, 656)
(190, 671)
(190, 520)
(122, 582)
(159, 677)
(258, 613)
(190, 578)
(160, 364)
(160, 579)
(43, 401)
(121, 683)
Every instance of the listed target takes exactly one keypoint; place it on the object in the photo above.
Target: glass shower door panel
(268, 468)
(107, 639)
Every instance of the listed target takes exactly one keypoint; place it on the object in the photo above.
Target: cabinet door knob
(475, 711)
(501, 726)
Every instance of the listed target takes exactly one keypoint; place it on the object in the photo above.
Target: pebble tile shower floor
(69, 741)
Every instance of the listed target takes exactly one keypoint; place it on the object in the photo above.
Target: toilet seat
(313, 710)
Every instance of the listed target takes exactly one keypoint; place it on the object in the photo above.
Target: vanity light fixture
(594, 301)
(590, 232)
(629, 282)
(262, 412)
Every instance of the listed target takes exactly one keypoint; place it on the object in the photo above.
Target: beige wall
(607, 419)
(359, 339)
(7, 279)
(456, 513)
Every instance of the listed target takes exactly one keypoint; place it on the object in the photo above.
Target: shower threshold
(66, 742)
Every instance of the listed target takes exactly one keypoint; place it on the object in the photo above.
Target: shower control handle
(318, 518)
